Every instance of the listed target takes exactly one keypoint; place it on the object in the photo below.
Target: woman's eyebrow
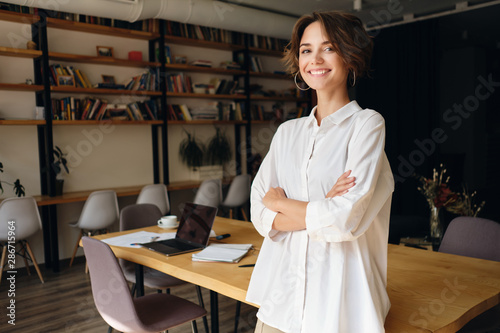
(309, 44)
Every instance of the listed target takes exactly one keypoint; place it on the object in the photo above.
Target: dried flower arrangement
(438, 194)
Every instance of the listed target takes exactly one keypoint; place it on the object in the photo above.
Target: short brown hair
(347, 35)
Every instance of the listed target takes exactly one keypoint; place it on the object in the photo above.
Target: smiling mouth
(319, 72)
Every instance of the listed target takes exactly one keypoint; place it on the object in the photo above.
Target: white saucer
(169, 227)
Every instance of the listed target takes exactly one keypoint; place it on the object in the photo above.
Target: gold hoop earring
(354, 82)
(295, 80)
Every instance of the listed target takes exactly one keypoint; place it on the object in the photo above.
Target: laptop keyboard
(181, 245)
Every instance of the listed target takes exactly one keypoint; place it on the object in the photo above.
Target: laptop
(192, 234)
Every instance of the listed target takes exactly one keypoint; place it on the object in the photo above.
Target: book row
(187, 30)
(70, 76)
(232, 111)
(71, 108)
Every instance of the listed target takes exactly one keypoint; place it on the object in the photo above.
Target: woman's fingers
(342, 186)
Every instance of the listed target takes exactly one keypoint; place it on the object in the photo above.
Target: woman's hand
(272, 197)
(342, 186)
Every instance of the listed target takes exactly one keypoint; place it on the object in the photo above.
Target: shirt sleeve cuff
(315, 225)
(267, 222)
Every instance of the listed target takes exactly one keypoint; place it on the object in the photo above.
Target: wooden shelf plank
(208, 96)
(107, 121)
(45, 200)
(100, 60)
(202, 43)
(199, 69)
(271, 76)
(6, 15)
(100, 29)
(22, 122)
(266, 122)
(277, 98)
(206, 122)
(19, 53)
(272, 53)
(20, 87)
(80, 196)
(98, 91)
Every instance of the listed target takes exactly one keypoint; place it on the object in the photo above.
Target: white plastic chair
(238, 194)
(19, 216)
(99, 212)
(155, 194)
(209, 193)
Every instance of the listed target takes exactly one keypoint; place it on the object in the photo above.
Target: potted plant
(17, 186)
(206, 162)
(60, 164)
(191, 151)
(219, 148)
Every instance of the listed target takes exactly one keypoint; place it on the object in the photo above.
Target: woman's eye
(304, 51)
(328, 49)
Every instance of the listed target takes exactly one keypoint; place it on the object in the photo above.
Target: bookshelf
(49, 129)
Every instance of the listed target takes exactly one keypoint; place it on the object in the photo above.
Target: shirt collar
(338, 116)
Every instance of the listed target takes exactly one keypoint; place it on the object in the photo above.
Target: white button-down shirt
(332, 276)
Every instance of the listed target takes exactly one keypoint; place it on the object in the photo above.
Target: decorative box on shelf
(207, 172)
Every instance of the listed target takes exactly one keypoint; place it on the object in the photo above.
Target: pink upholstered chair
(478, 238)
(140, 216)
(146, 314)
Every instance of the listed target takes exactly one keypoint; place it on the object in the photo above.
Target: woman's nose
(317, 58)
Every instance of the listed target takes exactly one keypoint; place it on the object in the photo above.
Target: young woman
(323, 264)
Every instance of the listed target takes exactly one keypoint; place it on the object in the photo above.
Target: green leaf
(19, 189)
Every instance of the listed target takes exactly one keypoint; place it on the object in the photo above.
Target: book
(231, 253)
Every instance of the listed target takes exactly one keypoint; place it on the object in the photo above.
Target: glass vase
(436, 226)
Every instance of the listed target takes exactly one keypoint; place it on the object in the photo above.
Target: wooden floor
(64, 303)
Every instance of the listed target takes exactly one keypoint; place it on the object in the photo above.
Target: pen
(249, 265)
(154, 238)
(222, 236)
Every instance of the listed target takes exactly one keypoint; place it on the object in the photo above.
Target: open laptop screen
(196, 223)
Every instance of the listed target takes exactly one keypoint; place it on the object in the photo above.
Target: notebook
(193, 231)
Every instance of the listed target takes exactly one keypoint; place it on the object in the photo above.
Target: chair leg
(76, 248)
(194, 328)
(23, 254)
(202, 304)
(237, 316)
(34, 262)
(230, 213)
(134, 287)
(2, 261)
(244, 214)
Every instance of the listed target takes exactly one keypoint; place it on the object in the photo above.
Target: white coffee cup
(168, 221)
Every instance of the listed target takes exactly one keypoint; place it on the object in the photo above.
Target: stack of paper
(222, 252)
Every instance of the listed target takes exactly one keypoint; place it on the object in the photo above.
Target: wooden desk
(429, 291)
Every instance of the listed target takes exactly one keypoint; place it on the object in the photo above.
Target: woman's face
(320, 66)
